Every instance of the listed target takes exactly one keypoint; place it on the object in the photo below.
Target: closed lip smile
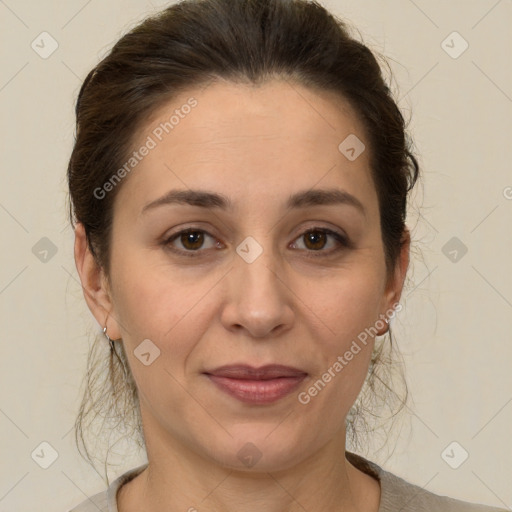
(262, 385)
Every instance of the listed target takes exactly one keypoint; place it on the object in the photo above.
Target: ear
(396, 280)
(94, 284)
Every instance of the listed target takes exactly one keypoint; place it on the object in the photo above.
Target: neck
(178, 479)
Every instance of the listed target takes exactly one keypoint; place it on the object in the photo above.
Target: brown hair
(193, 43)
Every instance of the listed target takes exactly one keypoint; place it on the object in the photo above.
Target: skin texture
(256, 145)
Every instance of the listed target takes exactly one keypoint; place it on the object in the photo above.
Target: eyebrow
(204, 199)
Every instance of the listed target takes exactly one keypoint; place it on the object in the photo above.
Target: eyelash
(341, 239)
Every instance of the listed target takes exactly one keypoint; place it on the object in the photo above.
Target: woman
(239, 186)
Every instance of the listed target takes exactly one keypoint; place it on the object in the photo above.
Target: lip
(245, 371)
(262, 385)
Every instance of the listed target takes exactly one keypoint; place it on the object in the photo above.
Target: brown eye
(192, 241)
(316, 239)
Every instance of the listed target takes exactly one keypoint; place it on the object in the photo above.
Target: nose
(259, 298)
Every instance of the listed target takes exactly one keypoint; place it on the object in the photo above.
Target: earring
(109, 340)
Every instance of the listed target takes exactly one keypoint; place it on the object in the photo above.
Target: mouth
(263, 385)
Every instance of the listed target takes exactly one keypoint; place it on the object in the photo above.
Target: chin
(258, 449)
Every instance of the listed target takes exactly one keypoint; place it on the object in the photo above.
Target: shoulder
(409, 497)
(398, 494)
(106, 501)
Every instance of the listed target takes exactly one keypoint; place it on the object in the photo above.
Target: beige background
(454, 331)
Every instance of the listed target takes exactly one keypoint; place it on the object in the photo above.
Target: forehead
(242, 140)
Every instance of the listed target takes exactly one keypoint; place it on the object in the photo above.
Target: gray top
(396, 493)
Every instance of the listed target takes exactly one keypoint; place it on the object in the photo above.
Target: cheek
(148, 301)
(168, 308)
(345, 354)
(346, 305)
(349, 309)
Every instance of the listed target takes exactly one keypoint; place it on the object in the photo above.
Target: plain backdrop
(454, 331)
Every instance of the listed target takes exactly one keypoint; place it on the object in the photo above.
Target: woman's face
(257, 282)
